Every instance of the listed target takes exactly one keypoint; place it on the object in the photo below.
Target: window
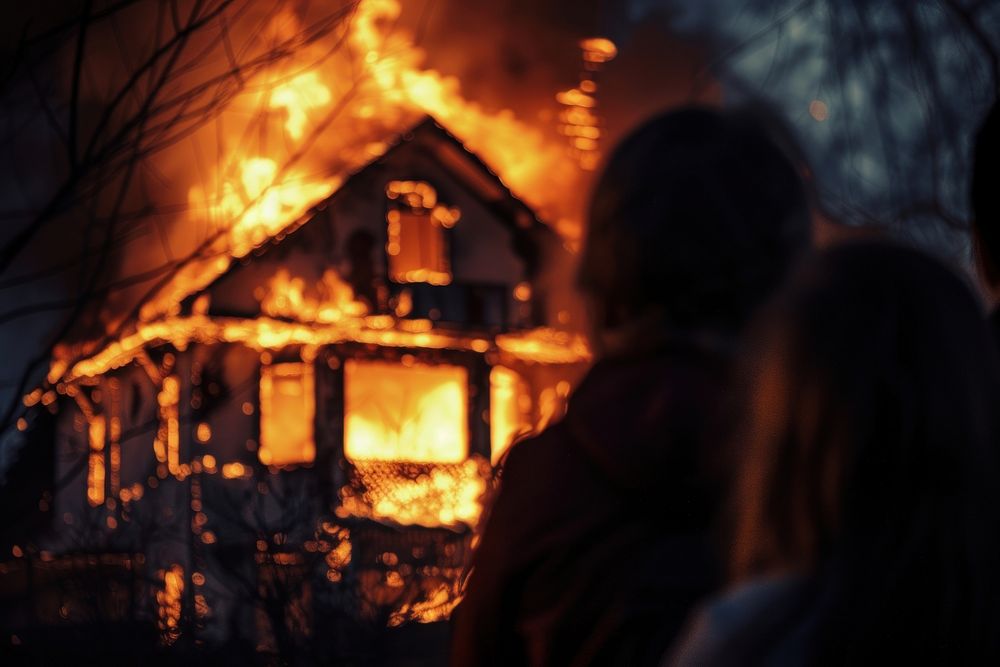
(417, 244)
(413, 412)
(95, 464)
(287, 411)
(104, 433)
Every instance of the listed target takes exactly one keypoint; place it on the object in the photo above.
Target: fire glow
(406, 422)
(330, 107)
(406, 413)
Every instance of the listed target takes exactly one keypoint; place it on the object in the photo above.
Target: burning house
(298, 438)
(285, 446)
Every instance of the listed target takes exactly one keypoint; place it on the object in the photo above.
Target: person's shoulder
(545, 481)
(551, 446)
(751, 623)
(755, 596)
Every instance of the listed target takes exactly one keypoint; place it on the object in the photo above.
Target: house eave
(543, 345)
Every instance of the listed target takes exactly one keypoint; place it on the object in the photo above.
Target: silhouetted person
(986, 210)
(867, 528)
(598, 543)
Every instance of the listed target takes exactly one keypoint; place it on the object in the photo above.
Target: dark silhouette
(986, 209)
(867, 529)
(362, 276)
(598, 543)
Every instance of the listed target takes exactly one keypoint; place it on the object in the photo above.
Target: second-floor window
(417, 240)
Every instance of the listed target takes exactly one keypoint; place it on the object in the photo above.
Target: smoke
(517, 55)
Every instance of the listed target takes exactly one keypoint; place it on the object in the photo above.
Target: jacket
(599, 543)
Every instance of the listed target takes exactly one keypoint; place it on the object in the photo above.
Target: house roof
(449, 151)
(468, 168)
(195, 276)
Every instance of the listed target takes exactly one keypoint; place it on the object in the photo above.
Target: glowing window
(405, 413)
(287, 411)
(167, 442)
(95, 464)
(417, 245)
(510, 410)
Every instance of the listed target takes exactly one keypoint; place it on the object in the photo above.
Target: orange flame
(436, 495)
(259, 198)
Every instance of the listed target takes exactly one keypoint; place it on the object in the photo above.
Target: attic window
(417, 243)
(412, 412)
(287, 411)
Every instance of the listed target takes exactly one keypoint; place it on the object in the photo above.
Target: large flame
(333, 112)
(529, 163)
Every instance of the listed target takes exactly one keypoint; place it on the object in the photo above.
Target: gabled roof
(468, 168)
(528, 232)
(471, 171)
(429, 135)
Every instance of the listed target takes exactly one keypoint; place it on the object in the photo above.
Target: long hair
(871, 457)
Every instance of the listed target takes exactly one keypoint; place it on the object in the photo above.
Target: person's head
(986, 199)
(871, 449)
(694, 221)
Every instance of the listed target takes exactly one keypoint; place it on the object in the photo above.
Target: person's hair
(985, 192)
(698, 213)
(871, 456)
